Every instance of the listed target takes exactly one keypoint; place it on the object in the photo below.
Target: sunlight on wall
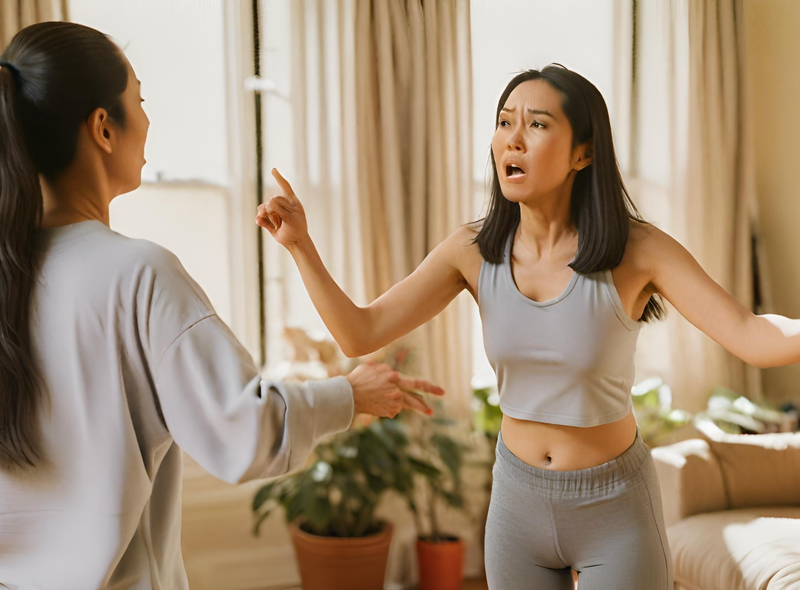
(191, 222)
(176, 50)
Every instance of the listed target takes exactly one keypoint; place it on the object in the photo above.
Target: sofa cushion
(747, 549)
(690, 479)
(760, 469)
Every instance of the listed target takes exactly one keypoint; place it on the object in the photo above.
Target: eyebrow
(532, 112)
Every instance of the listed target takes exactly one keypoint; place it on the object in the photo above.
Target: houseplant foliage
(337, 494)
(655, 416)
(659, 423)
(333, 500)
(437, 456)
(735, 414)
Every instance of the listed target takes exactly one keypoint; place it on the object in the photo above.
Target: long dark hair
(53, 76)
(600, 206)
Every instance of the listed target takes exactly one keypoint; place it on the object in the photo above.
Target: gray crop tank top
(565, 361)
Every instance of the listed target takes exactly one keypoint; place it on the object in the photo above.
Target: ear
(100, 129)
(582, 156)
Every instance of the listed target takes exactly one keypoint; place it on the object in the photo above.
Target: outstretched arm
(404, 307)
(761, 340)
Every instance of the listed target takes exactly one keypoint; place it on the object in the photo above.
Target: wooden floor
(468, 585)
(475, 585)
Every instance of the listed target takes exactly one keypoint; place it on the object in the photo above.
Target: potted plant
(330, 506)
(436, 459)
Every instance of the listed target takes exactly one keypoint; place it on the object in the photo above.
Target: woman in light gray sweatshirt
(112, 358)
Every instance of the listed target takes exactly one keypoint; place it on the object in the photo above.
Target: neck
(545, 225)
(75, 196)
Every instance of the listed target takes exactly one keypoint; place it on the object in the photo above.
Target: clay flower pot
(441, 565)
(335, 563)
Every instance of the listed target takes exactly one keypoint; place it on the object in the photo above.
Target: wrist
(302, 247)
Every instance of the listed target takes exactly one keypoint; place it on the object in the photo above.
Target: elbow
(363, 347)
(762, 362)
(358, 346)
(351, 353)
(765, 363)
(354, 350)
(756, 358)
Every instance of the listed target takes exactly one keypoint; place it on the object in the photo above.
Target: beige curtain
(18, 14)
(705, 197)
(381, 116)
(413, 102)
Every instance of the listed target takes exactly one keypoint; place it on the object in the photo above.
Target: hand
(382, 392)
(283, 216)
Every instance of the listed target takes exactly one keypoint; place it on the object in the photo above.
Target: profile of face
(122, 145)
(532, 143)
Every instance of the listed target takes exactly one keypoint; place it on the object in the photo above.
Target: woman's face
(532, 143)
(125, 167)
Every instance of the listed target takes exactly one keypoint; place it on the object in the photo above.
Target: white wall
(176, 49)
(191, 221)
(509, 36)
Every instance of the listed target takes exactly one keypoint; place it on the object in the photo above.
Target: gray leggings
(605, 522)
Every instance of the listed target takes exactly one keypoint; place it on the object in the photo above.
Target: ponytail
(20, 215)
(53, 75)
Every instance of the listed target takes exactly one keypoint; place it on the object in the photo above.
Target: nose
(515, 140)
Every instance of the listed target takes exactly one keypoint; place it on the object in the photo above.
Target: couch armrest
(690, 479)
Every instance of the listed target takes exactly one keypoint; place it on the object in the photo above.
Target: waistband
(578, 480)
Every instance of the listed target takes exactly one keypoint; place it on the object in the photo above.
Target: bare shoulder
(651, 242)
(643, 238)
(654, 252)
(462, 242)
(460, 249)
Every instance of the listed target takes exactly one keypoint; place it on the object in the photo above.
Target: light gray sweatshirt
(137, 366)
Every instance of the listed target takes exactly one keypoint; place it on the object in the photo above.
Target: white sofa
(732, 509)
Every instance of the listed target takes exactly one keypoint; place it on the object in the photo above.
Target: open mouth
(514, 172)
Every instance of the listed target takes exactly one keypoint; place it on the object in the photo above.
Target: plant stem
(434, 519)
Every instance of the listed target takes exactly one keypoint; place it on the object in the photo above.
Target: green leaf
(424, 468)
(454, 499)
(442, 421)
(449, 451)
(318, 513)
(263, 494)
(300, 502)
(396, 430)
(380, 434)
(261, 518)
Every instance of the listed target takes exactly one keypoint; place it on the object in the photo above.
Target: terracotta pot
(334, 563)
(441, 565)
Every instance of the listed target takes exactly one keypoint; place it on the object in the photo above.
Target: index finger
(283, 183)
(413, 385)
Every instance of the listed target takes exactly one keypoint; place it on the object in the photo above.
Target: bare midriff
(566, 448)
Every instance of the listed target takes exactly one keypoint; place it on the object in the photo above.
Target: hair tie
(10, 66)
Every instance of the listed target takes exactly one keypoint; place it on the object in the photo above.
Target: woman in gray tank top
(565, 272)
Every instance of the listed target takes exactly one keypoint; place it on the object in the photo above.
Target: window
(195, 189)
